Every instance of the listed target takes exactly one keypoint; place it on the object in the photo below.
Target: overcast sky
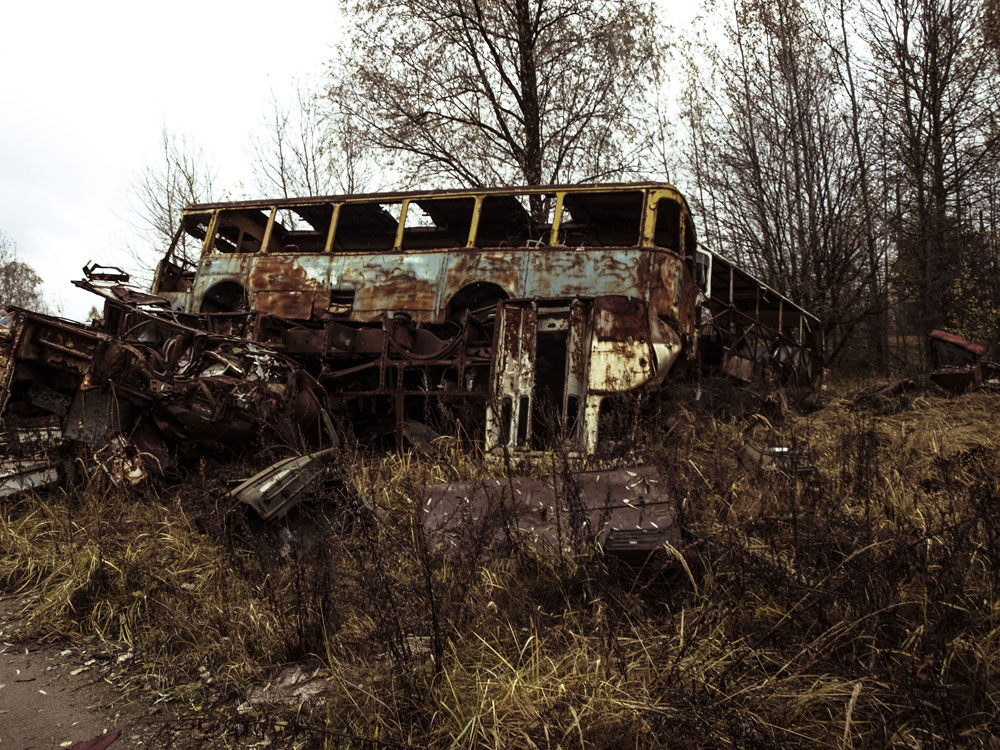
(87, 87)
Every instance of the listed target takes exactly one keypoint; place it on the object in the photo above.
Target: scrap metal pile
(959, 364)
(139, 394)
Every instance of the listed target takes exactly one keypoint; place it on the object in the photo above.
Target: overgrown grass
(851, 603)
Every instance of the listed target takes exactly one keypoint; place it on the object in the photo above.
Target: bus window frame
(653, 198)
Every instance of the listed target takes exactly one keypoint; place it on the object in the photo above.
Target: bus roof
(390, 197)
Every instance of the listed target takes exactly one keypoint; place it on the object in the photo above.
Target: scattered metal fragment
(122, 462)
(20, 474)
(773, 457)
(278, 488)
(763, 448)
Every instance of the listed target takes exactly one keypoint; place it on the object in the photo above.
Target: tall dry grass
(849, 601)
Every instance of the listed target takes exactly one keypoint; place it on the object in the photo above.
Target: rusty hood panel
(626, 511)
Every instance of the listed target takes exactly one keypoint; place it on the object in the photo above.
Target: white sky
(87, 87)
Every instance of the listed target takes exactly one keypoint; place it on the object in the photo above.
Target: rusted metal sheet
(674, 292)
(298, 305)
(952, 349)
(738, 367)
(503, 268)
(509, 414)
(568, 272)
(299, 272)
(625, 511)
(391, 283)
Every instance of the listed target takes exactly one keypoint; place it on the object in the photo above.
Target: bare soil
(52, 697)
(55, 695)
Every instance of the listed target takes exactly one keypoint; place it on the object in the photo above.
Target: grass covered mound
(849, 598)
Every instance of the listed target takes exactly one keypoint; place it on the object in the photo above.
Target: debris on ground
(278, 488)
(626, 511)
(766, 448)
(958, 363)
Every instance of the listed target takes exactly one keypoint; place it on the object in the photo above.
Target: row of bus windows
(588, 219)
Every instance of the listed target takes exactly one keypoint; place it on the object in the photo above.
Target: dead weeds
(852, 605)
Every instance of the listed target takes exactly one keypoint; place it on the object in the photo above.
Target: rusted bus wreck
(537, 303)
(515, 315)
(533, 303)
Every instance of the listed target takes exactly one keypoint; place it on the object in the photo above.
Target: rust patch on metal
(620, 319)
(399, 292)
(282, 272)
(298, 305)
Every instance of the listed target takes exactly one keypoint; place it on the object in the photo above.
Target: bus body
(429, 255)
(590, 291)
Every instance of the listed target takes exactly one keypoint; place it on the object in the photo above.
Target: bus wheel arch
(225, 297)
(473, 298)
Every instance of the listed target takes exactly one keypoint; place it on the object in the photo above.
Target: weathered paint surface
(423, 283)
(607, 350)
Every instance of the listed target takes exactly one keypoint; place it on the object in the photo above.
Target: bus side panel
(291, 285)
(503, 267)
(673, 298)
(214, 269)
(562, 272)
(396, 282)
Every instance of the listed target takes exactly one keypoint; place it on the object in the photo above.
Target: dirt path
(52, 697)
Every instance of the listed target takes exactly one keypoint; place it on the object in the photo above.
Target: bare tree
(20, 284)
(351, 158)
(306, 147)
(868, 138)
(290, 157)
(182, 175)
(847, 151)
(776, 170)
(487, 92)
(939, 100)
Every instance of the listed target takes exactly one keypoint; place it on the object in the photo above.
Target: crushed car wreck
(518, 317)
